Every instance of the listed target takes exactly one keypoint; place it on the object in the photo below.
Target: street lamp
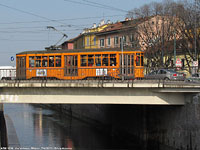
(122, 49)
(174, 49)
(195, 32)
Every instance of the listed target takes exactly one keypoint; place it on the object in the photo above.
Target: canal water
(41, 127)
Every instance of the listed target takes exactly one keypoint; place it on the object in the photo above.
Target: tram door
(71, 65)
(127, 68)
(21, 68)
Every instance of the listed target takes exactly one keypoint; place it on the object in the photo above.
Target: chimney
(108, 22)
(94, 25)
(127, 19)
(102, 22)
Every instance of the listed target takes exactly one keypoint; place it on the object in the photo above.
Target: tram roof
(78, 51)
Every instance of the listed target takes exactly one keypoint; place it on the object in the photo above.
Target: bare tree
(162, 22)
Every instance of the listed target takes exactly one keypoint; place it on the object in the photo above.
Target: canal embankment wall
(177, 127)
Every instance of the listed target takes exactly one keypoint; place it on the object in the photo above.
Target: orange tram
(80, 64)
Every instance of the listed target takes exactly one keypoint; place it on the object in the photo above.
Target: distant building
(91, 40)
(110, 36)
(87, 39)
(75, 43)
(68, 44)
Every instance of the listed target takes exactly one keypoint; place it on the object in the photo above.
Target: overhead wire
(45, 19)
(60, 20)
(106, 6)
(11, 28)
(29, 13)
(97, 5)
(83, 18)
(22, 11)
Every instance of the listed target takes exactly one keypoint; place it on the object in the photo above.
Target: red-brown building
(68, 44)
(75, 43)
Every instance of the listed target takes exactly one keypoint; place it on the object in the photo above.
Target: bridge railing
(74, 73)
(7, 74)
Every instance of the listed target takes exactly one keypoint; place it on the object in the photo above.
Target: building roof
(111, 28)
(72, 40)
(116, 27)
(77, 51)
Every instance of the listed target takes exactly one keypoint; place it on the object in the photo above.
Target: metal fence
(7, 74)
(74, 73)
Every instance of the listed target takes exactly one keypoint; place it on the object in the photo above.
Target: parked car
(193, 78)
(165, 74)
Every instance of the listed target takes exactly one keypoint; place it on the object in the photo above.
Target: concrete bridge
(97, 92)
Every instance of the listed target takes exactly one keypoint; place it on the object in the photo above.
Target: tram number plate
(41, 72)
(101, 72)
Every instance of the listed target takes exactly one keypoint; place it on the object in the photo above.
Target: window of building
(101, 42)
(94, 41)
(44, 61)
(116, 40)
(98, 60)
(109, 41)
(51, 61)
(83, 41)
(131, 38)
(38, 61)
(88, 41)
(124, 39)
(31, 61)
(58, 61)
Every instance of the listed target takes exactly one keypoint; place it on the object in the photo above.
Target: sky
(26, 24)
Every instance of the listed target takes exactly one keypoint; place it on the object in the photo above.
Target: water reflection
(48, 128)
(40, 127)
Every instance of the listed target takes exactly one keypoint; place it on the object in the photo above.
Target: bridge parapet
(97, 92)
(99, 84)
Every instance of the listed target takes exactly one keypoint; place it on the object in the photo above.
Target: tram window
(112, 59)
(142, 59)
(31, 61)
(125, 59)
(75, 60)
(137, 59)
(67, 61)
(51, 61)
(44, 61)
(38, 61)
(71, 66)
(129, 60)
(98, 60)
(83, 60)
(90, 60)
(105, 60)
(132, 60)
(58, 61)
(38, 57)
